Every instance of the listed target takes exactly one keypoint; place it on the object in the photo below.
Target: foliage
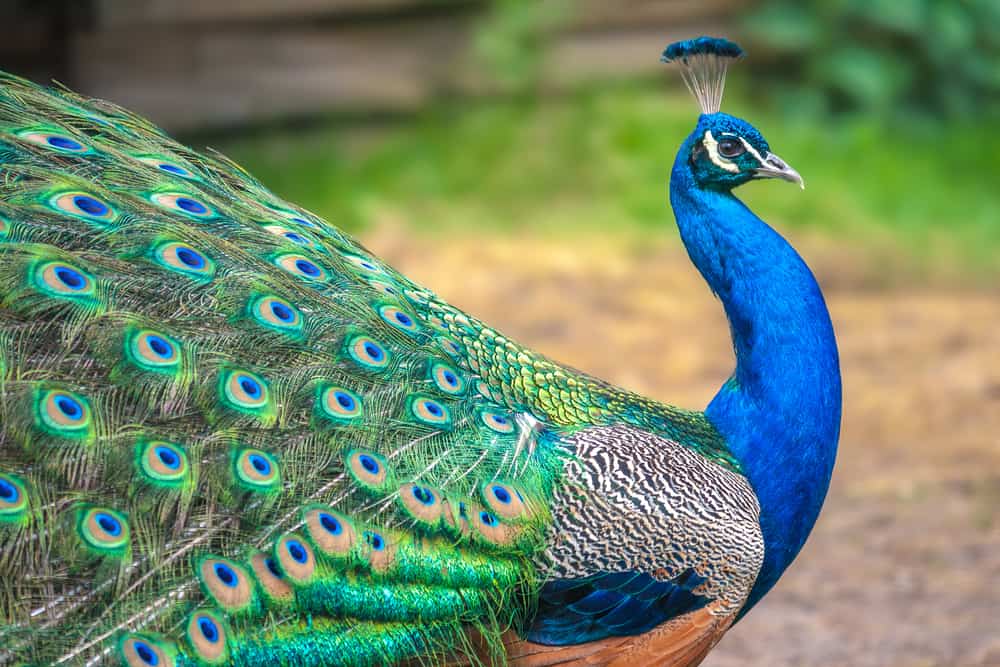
(937, 56)
(599, 160)
(511, 41)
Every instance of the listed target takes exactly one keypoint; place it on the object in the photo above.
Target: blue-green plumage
(229, 434)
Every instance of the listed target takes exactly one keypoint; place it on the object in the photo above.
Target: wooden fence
(210, 63)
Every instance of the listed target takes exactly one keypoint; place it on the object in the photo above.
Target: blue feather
(716, 46)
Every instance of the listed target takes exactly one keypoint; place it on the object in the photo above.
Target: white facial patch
(752, 151)
(712, 146)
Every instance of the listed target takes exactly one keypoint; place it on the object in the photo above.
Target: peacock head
(725, 151)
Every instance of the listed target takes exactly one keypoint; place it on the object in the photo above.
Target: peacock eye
(731, 148)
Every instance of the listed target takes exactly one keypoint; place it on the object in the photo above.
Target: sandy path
(903, 568)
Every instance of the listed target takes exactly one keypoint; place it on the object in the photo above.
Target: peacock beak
(775, 167)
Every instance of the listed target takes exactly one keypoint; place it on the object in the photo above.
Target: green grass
(599, 160)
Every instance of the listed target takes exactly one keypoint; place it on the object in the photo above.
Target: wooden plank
(602, 15)
(589, 55)
(187, 79)
(121, 13)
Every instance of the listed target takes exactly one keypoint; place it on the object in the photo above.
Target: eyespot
(269, 576)
(83, 205)
(332, 532)
(63, 413)
(153, 351)
(505, 500)
(295, 557)
(489, 527)
(421, 502)
(363, 263)
(167, 167)
(226, 583)
(103, 530)
(448, 379)
(398, 318)
(368, 469)
(295, 237)
(207, 635)
(339, 404)
(256, 470)
(162, 463)
(276, 313)
(497, 421)
(4, 226)
(374, 540)
(730, 148)
(368, 353)
(185, 204)
(13, 499)
(384, 287)
(184, 259)
(55, 141)
(291, 215)
(429, 411)
(302, 267)
(456, 518)
(63, 280)
(450, 346)
(244, 391)
(140, 650)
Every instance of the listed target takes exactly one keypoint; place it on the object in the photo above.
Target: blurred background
(524, 147)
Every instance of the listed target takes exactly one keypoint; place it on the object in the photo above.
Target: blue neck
(780, 411)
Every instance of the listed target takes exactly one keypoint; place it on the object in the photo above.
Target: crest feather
(703, 62)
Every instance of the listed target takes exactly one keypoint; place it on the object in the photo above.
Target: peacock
(231, 435)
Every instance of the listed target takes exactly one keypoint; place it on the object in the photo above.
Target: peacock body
(229, 434)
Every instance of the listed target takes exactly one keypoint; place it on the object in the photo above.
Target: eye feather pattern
(256, 470)
(339, 404)
(295, 557)
(397, 318)
(422, 503)
(168, 166)
(13, 499)
(301, 266)
(184, 259)
(153, 351)
(276, 313)
(498, 422)
(331, 532)
(61, 279)
(63, 413)
(184, 204)
(206, 635)
(369, 470)
(364, 264)
(429, 411)
(83, 205)
(296, 237)
(163, 464)
(368, 353)
(103, 530)
(245, 392)
(226, 583)
(447, 379)
(61, 142)
(143, 650)
(270, 578)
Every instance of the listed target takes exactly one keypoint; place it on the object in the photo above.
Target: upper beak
(775, 167)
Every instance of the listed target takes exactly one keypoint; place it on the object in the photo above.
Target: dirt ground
(903, 568)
